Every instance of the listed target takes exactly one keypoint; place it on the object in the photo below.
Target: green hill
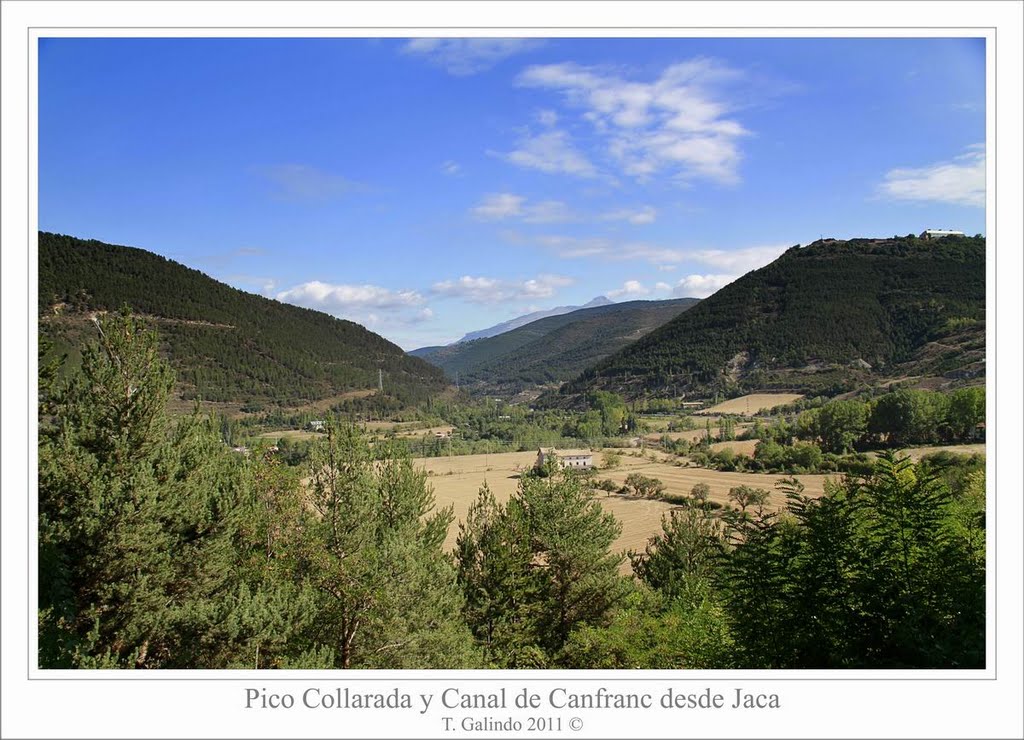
(831, 316)
(225, 344)
(550, 350)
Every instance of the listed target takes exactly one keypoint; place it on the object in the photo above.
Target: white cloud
(552, 152)
(701, 286)
(679, 124)
(304, 182)
(486, 290)
(629, 288)
(740, 261)
(960, 181)
(468, 56)
(637, 216)
(330, 297)
(451, 168)
(501, 206)
(379, 309)
(662, 287)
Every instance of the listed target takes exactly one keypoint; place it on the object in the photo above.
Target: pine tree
(127, 509)
(682, 560)
(538, 567)
(372, 550)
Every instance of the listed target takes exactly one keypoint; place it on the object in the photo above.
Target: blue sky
(426, 188)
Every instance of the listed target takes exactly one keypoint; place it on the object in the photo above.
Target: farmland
(751, 404)
(916, 453)
(456, 481)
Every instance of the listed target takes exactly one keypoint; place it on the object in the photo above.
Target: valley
(707, 440)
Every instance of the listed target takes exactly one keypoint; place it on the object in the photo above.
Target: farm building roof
(566, 453)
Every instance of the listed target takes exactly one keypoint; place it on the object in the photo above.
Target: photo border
(988, 674)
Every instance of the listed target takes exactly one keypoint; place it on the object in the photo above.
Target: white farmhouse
(566, 458)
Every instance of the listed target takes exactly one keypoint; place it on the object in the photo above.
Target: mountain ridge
(552, 349)
(828, 316)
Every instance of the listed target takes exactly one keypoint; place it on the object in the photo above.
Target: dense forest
(552, 349)
(828, 317)
(160, 548)
(224, 344)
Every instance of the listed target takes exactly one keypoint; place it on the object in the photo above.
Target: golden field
(751, 404)
(456, 481)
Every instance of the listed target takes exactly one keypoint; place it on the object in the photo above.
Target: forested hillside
(825, 317)
(224, 344)
(552, 349)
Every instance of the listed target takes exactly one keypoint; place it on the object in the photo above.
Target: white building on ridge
(939, 233)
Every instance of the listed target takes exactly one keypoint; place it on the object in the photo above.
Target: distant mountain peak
(493, 331)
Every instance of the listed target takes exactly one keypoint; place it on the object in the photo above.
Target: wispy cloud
(630, 288)
(960, 181)
(305, 182)
(250, 251)
(680, 124)
(501, 206)
(740, 261)
(221, 260)
(485, 290)
(701, 286)
(451, 168)
(468, 56)
(264, 284)
(666, 259)
(553, 152)
(574, 247)
(547, 117)
(637, 216)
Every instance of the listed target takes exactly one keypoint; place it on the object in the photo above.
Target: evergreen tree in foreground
(537, 568)
(134, 525)
(159, 548)
(372, 549)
